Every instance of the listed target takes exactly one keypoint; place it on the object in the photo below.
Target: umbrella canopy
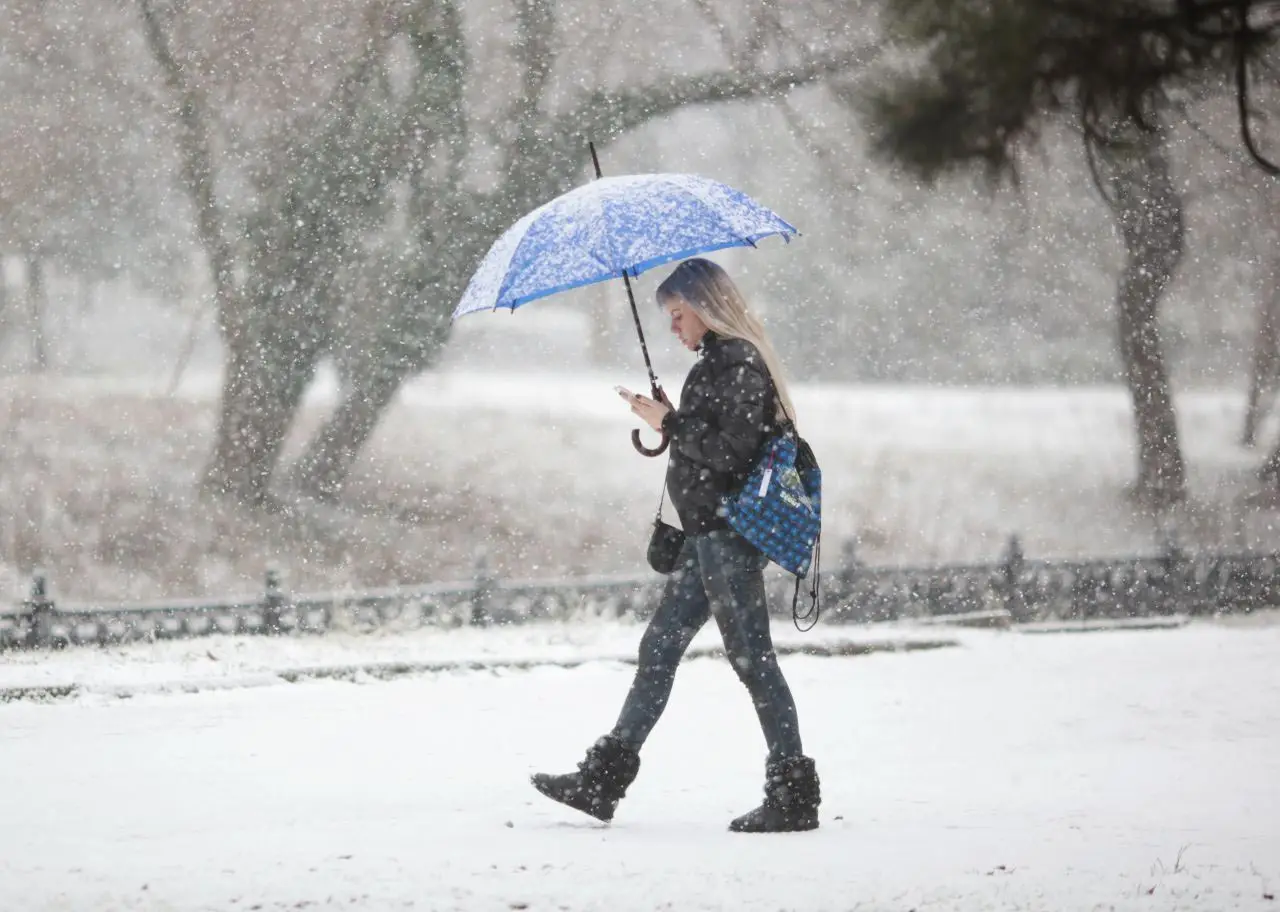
(614, 227)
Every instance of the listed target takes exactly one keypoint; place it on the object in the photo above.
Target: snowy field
(536, 471)
(1101, 771)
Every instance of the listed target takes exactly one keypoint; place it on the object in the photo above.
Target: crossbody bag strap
(663, 495)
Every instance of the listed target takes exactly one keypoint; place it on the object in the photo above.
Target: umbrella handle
(659, 396)
(646, 451)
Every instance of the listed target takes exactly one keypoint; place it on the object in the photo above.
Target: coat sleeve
(728, 441)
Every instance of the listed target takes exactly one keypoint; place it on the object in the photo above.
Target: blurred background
(231, 235)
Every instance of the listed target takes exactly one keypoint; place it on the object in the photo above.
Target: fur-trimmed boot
(791, 798)
(600, 782)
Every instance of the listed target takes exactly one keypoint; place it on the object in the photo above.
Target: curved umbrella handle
(659, 396)
(646, 451)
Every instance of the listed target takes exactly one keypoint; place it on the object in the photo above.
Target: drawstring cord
(815, 600)
(815, 603)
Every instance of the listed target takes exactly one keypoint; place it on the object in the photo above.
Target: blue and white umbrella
(615, 227)
(611, 228)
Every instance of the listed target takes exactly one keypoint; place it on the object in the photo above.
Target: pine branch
(994, 72)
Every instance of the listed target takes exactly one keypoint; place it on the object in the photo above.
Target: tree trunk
(37, 304)
(1266, 358)
(1161, 473)
(262, 388)
(399, 345)
(1266, 371)
(1149, 211)
(323, 470)
(4, 316)
(254, 418)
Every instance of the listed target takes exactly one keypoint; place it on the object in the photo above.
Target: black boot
(601, 780)
(791, 799)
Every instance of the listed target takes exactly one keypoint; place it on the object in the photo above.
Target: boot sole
(799, 826)
(601, 812)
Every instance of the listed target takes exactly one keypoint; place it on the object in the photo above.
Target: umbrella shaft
(631, 297)
(595, 159)
(635, 314)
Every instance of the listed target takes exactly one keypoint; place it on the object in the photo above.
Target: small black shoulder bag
(666, 542)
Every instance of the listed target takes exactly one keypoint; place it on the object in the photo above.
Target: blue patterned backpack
(779, 510)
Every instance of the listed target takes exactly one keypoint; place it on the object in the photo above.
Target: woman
(731, 401)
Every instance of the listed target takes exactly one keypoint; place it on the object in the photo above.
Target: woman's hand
(649, 411)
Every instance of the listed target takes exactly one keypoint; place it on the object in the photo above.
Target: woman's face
(686, 325)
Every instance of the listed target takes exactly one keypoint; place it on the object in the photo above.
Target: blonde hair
(707, 288)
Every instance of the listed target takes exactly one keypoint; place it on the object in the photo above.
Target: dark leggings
(720, 575)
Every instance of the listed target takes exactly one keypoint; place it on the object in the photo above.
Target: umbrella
(615, 227)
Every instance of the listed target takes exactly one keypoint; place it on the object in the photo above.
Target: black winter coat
(726, 413)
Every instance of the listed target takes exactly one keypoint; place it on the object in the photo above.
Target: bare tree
(369, 222)
(456, 223)
(317, 190)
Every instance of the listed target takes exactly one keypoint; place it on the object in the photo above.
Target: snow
(1126, 770)
(541, 465)
(912, 474)
(250, 660)
(1115, 769)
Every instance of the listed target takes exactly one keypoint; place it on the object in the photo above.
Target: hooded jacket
(726, 413)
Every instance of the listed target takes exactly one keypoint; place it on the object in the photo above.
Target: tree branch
(765, 23)
(714, 19)
(435, 116)
(537, 28)
(606, 115)
(195, 147)
(763, 20)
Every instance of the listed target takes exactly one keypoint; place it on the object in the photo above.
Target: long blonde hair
(707, 288)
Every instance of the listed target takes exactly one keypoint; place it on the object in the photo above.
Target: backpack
(778, 509)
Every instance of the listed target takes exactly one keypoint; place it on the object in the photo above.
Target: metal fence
(1171, 583)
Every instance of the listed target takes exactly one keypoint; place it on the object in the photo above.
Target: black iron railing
(1171, 583)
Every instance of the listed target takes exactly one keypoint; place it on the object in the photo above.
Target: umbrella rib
(696, 192)
(527, 220)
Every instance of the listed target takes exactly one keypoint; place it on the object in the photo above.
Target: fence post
(483, 593)
(39, 608)
(272, 602)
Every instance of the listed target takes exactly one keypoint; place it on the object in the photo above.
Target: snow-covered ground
(1109, 771)
(537, 470)
(248, 661)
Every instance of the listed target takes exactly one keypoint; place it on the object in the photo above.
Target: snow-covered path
(1127, 770)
